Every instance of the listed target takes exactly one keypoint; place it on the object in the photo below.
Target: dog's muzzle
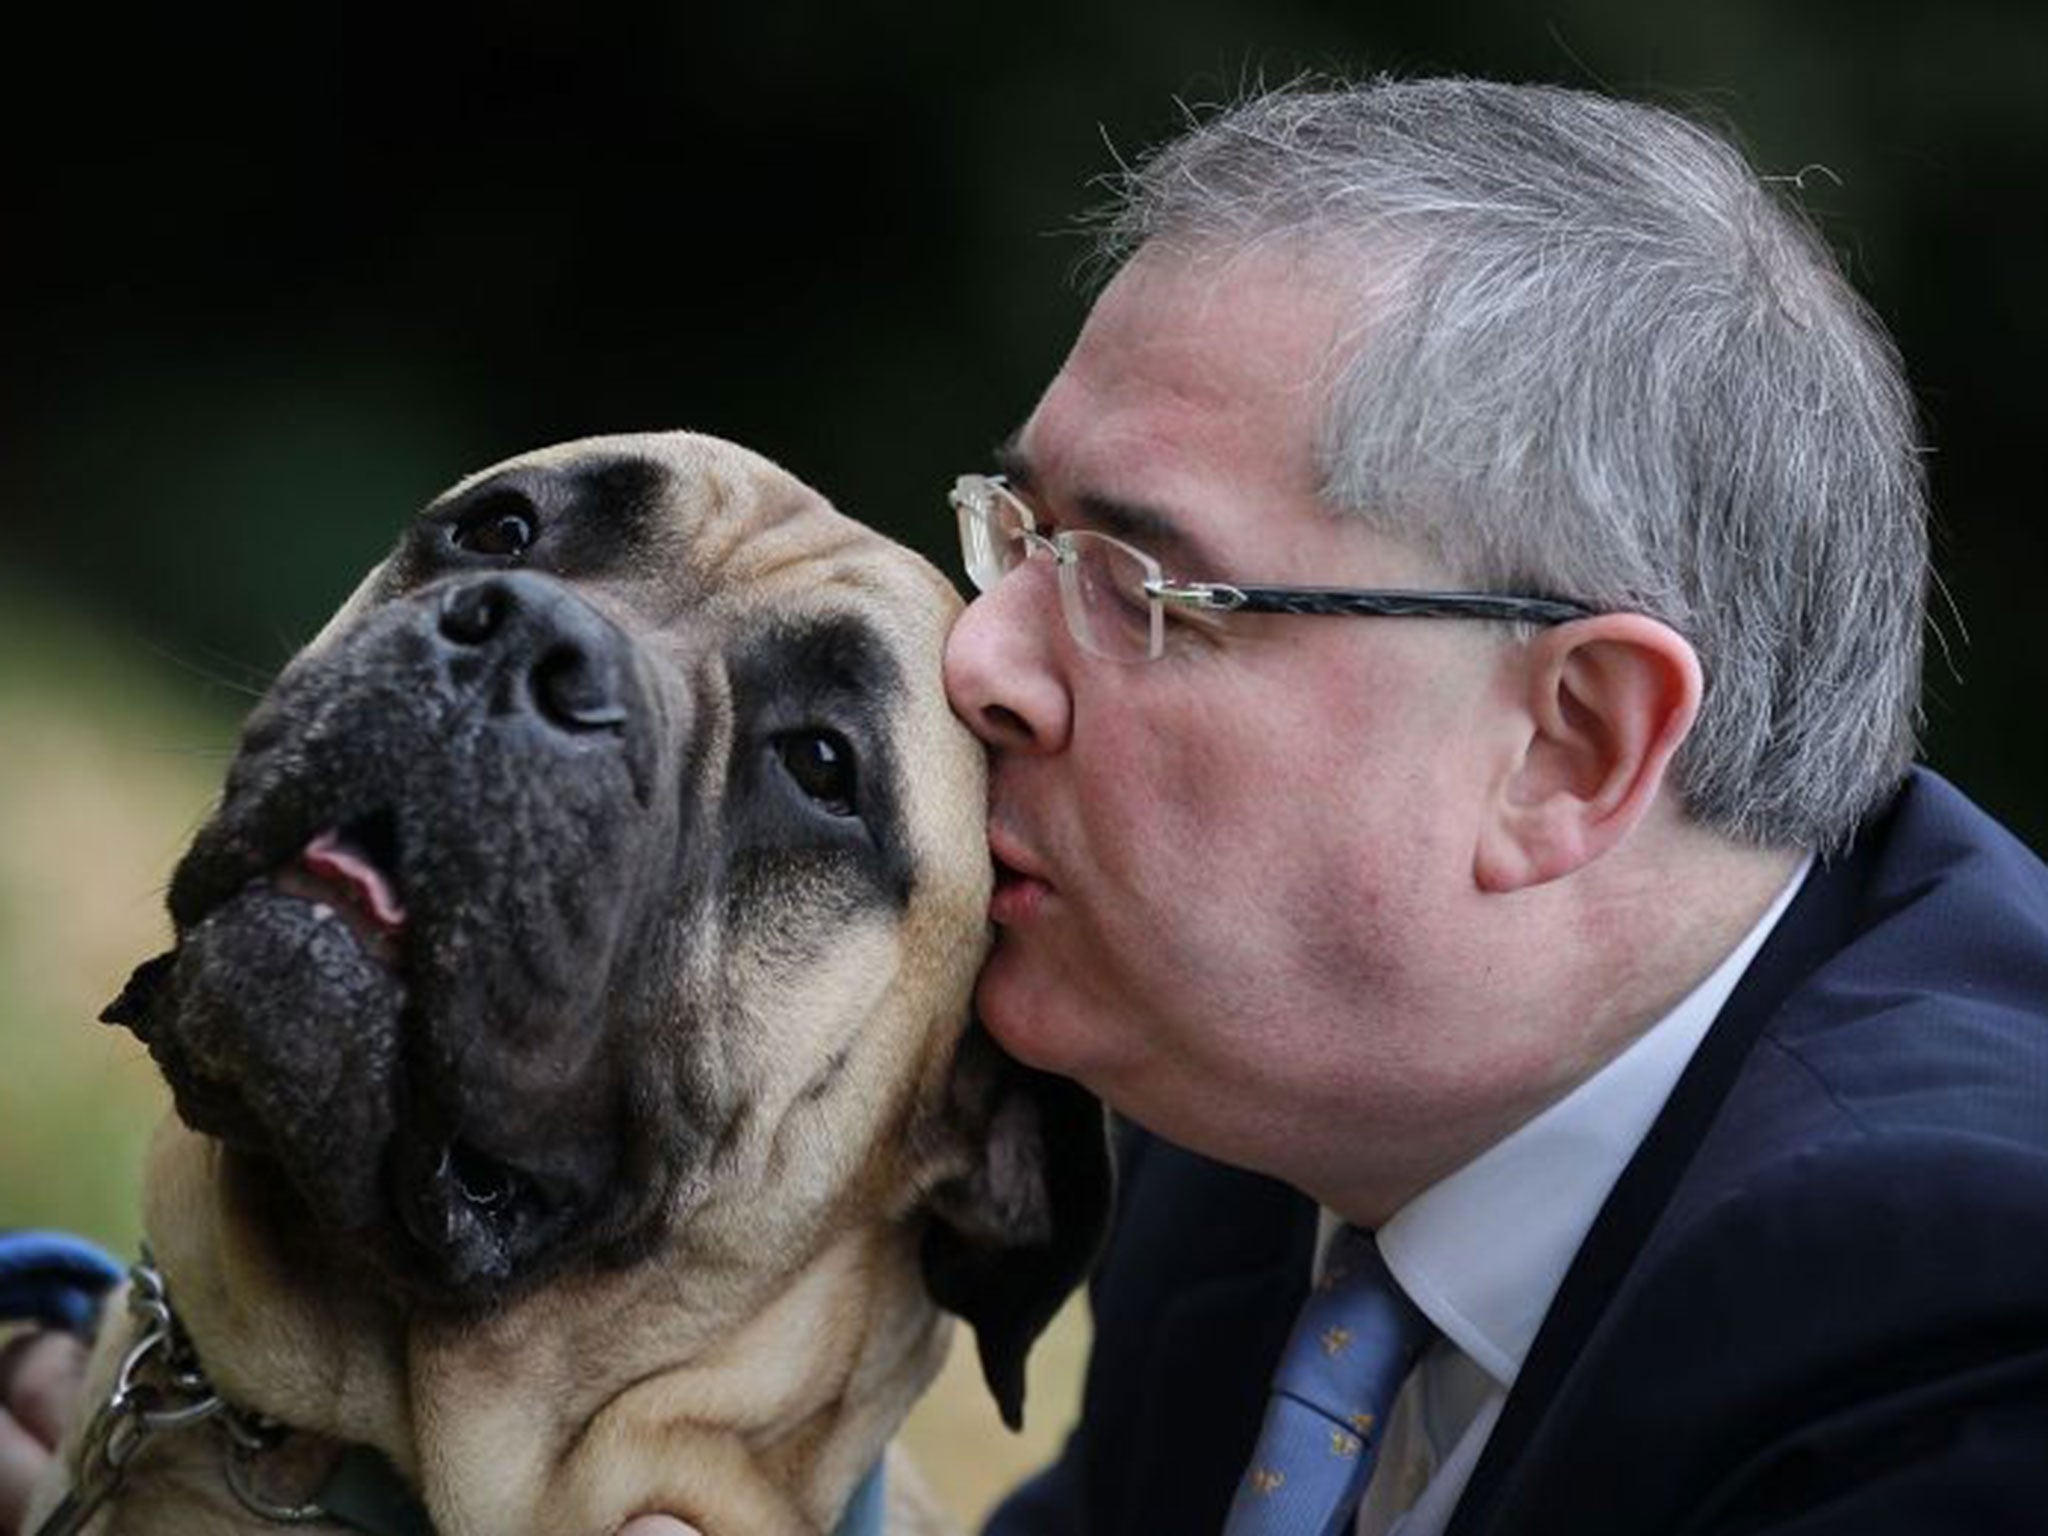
(410, 940)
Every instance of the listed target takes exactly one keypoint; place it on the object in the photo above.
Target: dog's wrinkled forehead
(678, 531)
(679, 520)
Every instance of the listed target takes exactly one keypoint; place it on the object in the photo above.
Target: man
(1591, 944)
(1583, 938)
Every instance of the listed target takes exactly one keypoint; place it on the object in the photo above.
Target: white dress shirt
(1483, 1251)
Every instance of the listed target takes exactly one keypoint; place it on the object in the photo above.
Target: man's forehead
(1191, 400)
(1282, 315)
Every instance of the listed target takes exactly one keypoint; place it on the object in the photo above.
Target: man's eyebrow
(1157, 532)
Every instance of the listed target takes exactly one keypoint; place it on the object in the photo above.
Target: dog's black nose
(572, 661)
(473, 612)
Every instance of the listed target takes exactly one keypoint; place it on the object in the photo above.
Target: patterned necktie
(1352, 1345)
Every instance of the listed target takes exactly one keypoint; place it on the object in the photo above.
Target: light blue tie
(1353, 1343)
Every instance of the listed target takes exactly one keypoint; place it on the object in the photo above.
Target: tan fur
(749, 1376)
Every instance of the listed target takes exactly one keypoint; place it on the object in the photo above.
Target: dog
(576, 1098)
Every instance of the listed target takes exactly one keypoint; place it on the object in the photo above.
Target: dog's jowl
(576, 1102)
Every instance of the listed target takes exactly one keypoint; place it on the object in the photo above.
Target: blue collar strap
(365, 1493)
(864, 1511)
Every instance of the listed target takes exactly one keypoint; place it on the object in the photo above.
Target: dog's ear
(1014, 1233)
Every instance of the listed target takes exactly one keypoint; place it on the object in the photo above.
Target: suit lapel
(1194, 1300)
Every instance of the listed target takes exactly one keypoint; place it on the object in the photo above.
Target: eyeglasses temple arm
(1220, 597)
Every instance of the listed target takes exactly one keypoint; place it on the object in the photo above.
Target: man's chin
(1030, 1016)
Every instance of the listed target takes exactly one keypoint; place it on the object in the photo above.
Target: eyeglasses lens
(1102, 580)
(1106, 603)
(989, 525)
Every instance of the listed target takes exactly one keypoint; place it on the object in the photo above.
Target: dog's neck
(276, 1335)
(611, 1395)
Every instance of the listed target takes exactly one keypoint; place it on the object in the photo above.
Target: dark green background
(275, 282)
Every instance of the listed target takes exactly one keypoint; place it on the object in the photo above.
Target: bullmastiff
(576, 1099)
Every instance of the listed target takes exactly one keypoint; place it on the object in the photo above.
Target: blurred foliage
(278, 279)
(105, 770)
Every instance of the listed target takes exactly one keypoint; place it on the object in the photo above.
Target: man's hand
(40, 1374)
(657, 1525)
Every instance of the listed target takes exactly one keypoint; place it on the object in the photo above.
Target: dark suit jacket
(1816, 1301)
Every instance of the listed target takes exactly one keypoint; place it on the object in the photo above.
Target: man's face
(1232, 882)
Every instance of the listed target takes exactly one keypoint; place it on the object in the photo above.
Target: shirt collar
(1483, 1250)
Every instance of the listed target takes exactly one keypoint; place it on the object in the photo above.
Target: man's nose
(1003, 668)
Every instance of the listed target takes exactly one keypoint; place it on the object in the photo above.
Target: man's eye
(821, 765)
(499, 530)
(1111, 580)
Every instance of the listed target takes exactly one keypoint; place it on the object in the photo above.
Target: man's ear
(1604, 702)
(1014, 1231)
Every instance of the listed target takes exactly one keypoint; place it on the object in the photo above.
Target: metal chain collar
(160, 1388)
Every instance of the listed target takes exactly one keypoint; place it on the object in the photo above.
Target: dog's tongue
(331, 858)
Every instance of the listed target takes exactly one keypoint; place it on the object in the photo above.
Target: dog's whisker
(227, 673)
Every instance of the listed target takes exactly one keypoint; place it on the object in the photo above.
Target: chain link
(160, 1388)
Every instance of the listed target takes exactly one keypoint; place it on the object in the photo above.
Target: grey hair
(1597, 358)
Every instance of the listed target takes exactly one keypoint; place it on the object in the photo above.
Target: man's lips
(1020, 890)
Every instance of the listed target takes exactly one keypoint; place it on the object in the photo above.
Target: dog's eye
(821, 763)
(501, 528)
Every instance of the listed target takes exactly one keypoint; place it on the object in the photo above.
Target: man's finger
(44, 1374)
(657, 1525)
(22, 1460)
